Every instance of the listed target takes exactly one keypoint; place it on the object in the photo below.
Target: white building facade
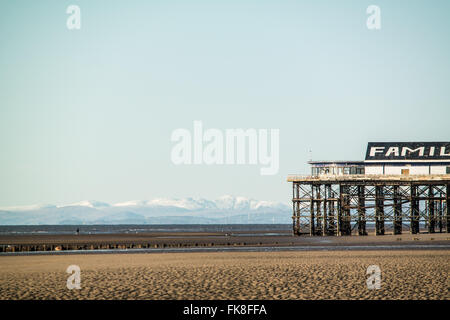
(392, 158)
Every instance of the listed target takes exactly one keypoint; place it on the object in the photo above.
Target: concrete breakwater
(50, 243)
(107, 246)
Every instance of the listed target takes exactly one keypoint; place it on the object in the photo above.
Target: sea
(252, 229)
(140, 228)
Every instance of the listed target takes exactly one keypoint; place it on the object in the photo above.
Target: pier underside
(346, 205)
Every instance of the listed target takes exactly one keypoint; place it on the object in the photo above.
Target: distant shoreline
(250, 240)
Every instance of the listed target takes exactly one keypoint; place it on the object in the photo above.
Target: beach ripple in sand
(238, 275)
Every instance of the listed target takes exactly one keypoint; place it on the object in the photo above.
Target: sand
(418, 274)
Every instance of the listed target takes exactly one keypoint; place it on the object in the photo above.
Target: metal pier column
(397, 211)
(379, 210)
(361, 211)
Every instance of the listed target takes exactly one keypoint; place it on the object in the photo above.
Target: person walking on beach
(78, 231)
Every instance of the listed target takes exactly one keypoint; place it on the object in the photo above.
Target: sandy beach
(408, 274)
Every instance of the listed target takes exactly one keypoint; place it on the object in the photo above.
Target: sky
(89, 113)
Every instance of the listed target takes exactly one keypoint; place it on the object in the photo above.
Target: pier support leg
(440, 213)
(332, 218)
(312, 223)
(447, 207)
(295, 230)
(345, 227)
(361, 211)
(325, 211)
(331, 225)
(414, 220)
(348, 226)
(431, 211)
(298, 210)
(318, 216)
(339, 212)
(397, 211)
(379, 210)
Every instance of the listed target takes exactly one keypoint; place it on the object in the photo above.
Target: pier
(327, 205)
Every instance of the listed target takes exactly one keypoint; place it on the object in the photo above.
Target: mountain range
(224, 210)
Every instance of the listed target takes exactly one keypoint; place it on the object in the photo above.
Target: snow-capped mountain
(89, 203)
(226, 209)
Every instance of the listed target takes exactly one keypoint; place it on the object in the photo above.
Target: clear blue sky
(88, 114)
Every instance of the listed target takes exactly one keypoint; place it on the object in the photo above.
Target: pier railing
(368, 177)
